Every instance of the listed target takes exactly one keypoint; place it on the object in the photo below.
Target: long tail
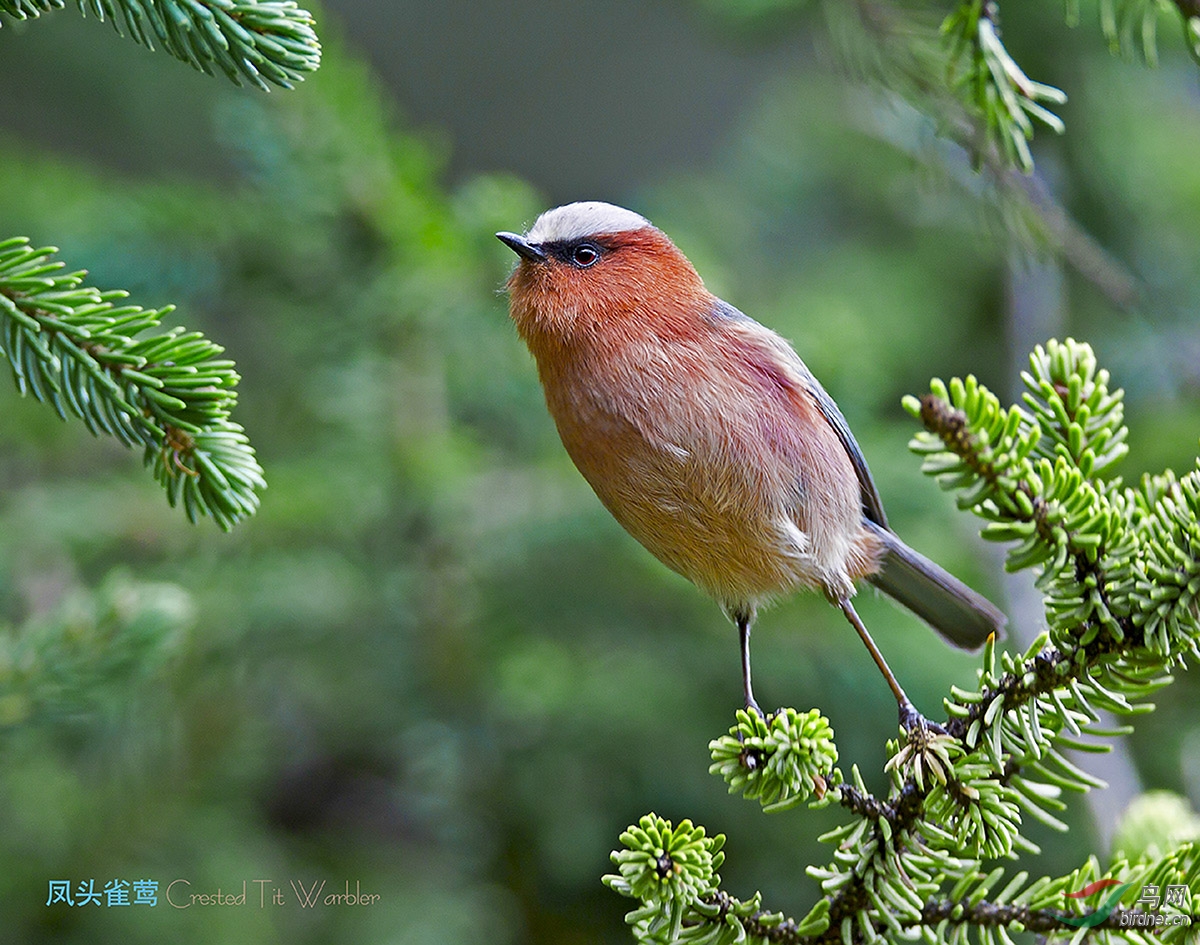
(958, 613)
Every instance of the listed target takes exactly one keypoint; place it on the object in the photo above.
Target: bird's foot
(927, 751)
(752, 709)
(915, 725)
(751, 757)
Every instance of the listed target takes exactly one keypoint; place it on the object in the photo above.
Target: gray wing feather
(871, 503)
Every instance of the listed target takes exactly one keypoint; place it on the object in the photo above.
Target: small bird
(707, 438)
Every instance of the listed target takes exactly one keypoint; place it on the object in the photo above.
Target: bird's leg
(910, 718)
(743, 625)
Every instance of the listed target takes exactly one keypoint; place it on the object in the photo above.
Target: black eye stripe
(577, 253)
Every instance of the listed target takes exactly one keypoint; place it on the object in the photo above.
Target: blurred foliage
(431, 664)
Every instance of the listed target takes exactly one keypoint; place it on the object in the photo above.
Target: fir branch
(76, 348)
(775, 929)
(762, 926)
(979, 97)
(1005, 100)
(961, 76)
(1100, 658)
(781, 760)
(986, 914)
(1120, 568)
(257, 41)
(893, 48)
(718, 909)
(1131, 26)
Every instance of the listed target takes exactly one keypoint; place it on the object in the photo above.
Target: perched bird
(705, 435)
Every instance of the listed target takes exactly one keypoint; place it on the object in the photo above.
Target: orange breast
(705, 446)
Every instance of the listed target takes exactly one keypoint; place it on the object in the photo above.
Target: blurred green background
(432, 667)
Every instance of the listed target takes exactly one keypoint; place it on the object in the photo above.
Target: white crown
(574, 221)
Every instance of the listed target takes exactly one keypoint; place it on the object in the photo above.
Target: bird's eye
(584, 255)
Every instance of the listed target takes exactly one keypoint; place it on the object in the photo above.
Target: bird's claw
(915, 725)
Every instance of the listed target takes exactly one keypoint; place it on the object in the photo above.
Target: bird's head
(594, 267)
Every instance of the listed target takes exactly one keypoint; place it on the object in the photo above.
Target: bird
(707, 437)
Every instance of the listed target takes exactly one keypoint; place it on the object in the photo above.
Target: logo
(1094, 918)
(1150, 915)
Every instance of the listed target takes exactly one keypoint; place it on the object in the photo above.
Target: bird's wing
(872, 504)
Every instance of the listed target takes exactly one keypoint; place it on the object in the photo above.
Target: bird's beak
(522, 247)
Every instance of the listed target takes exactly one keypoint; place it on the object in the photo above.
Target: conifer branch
(89, 356)
(961, 76)
(256, 41)
(1002, 98)
(964, 79)
(1120, 573)
(1131, 26)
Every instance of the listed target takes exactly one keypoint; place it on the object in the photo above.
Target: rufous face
(594, 268)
